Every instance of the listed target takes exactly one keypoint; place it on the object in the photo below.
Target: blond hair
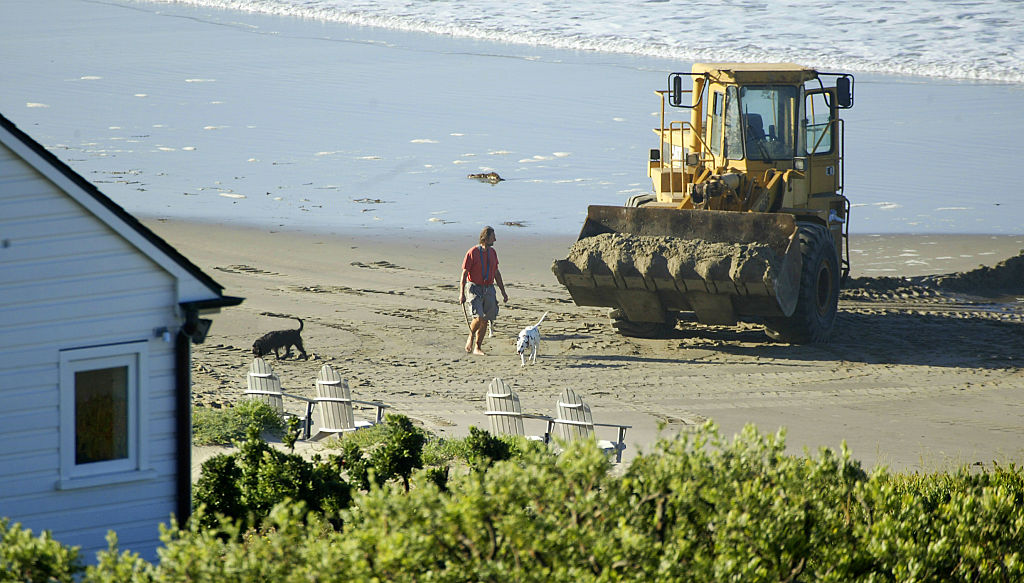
(485, 234)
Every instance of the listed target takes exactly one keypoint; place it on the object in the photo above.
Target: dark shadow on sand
(888, 338)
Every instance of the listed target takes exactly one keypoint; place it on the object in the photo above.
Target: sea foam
(934, 38)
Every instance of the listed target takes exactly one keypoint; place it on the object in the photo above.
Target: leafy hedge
(697, 508)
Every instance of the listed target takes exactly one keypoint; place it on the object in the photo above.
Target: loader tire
(818, 300)
(642, 329)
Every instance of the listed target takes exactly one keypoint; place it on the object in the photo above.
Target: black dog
(271, 341)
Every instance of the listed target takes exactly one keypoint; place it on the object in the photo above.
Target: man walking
(479, 274)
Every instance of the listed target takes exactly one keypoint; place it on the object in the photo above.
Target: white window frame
(134, 356)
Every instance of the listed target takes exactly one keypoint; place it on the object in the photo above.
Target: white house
(97, 317)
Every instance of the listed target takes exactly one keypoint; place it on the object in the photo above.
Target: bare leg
(479, 328)
(472, 336)
(474, 332)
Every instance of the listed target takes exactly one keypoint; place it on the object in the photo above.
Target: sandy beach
(911, 380)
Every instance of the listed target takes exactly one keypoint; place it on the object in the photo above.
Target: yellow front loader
(747, 219)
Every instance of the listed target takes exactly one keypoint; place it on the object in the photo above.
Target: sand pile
(1005, 278)
(673, 257)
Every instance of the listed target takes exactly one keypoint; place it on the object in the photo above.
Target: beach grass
(223, 426)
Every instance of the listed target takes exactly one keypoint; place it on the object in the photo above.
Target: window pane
(733, 135)
(716, 124)
(101, 415)
(819, 130)
(769, 114)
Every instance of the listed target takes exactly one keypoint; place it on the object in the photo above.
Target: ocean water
(937, 38)
(347, 116)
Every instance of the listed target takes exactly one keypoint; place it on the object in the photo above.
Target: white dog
(529, 340)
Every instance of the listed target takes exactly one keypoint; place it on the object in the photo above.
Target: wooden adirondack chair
(574, 421)
(334, 411)
(265, 386)
(506, 414)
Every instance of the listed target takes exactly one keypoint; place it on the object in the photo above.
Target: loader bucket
(649, 260)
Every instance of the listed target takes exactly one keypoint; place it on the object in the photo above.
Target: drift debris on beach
(491, 177)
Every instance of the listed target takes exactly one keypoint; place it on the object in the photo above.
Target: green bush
(246, 485)
(115, 567)
(484, 449)
(224, 426)
(28, 559)
(435, 451)
(400, 452)
(697, 508)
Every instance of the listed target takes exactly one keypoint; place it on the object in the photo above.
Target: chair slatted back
(572, 417)
(504, 409)
(264, 385)
(333, 402)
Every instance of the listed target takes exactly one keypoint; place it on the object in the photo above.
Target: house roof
(202, 291)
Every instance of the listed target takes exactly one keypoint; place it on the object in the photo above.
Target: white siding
(68, 280)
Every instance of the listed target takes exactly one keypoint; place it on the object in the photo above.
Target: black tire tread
(806, 325)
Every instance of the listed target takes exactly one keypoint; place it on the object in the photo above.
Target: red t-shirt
(481, 266)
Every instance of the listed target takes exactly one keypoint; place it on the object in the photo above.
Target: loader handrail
(680, 133)
(683, 126)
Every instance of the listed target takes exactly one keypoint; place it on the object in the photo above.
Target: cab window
(733, 125)
(818, 121)
(717, 103)
(768, 114)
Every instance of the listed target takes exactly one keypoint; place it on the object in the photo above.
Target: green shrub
(436, 451)
(400, 452)
(224, 426)
(484, 449)
(246, 485)
(947, 527)
(115, 567)
(741, 511)
(28, 559)
(697, 508)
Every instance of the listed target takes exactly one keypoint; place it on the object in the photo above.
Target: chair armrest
(380, 408)
(310, 403)
(613, 425)
(622, 438)
(550, 422)
(372, 404)
(572, 422)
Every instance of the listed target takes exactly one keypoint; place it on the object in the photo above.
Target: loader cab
(768, 136)
(760, 123)
(766, 116)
